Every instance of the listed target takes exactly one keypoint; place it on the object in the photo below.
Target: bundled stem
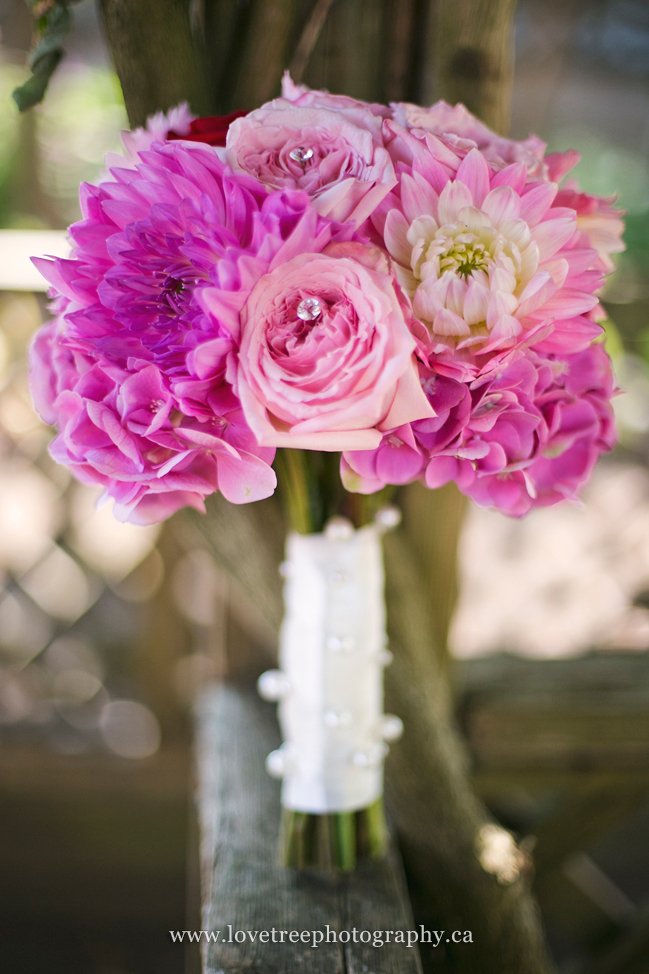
(333, 842)
(310, 486)
(312, 492)
(291, 468)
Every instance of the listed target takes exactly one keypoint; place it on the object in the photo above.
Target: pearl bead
(273, 685)
(337, 719)
(391, 727)
(277, 763)
(372, 757)
(388, 518)
(338, 529)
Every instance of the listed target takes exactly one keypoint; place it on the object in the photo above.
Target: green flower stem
(309, 483)
(333, 842)
(310, 487)
(292, 476)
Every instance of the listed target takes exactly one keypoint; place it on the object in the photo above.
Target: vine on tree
(52, 22)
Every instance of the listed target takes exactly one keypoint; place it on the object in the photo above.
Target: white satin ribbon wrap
(330, 686)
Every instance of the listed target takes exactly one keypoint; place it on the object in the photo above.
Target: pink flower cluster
(400, 285)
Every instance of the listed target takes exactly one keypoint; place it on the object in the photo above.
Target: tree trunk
(471, 57)
(157, 56)
(430, 798)
(370, 49)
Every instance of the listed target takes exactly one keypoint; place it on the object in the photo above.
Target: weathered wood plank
(585, 714)
(242, 883)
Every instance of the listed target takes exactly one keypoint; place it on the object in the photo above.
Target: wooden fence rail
(244, 888)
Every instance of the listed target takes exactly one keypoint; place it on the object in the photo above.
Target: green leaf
(53, 26)
(33, 90)
(59, 21)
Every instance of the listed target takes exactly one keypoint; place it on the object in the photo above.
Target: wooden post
(157, 56)
(430, 797)
(265, 53)
(247, 889)
(471, 57)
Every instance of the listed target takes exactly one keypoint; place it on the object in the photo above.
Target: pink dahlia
(487, 259)
(599, 223)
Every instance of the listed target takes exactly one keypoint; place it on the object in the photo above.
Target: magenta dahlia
(132, 369)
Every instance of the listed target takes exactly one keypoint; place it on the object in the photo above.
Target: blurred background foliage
(106, 629)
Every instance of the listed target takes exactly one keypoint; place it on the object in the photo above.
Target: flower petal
(453, 197)
(552, 235)
(537, 201)
(502, 204)
(396, 237)
(474, 172)
(417, 197)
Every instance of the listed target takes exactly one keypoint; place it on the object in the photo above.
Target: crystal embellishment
(309, 309)
(302, 154)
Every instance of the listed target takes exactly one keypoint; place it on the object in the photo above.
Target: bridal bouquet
(396, 293)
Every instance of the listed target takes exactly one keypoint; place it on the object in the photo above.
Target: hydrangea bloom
(526, 432)
(221, 302)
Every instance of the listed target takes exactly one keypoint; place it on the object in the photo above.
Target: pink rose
(336, 156)
(312, 98)
(326, 359)
(456, 125)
